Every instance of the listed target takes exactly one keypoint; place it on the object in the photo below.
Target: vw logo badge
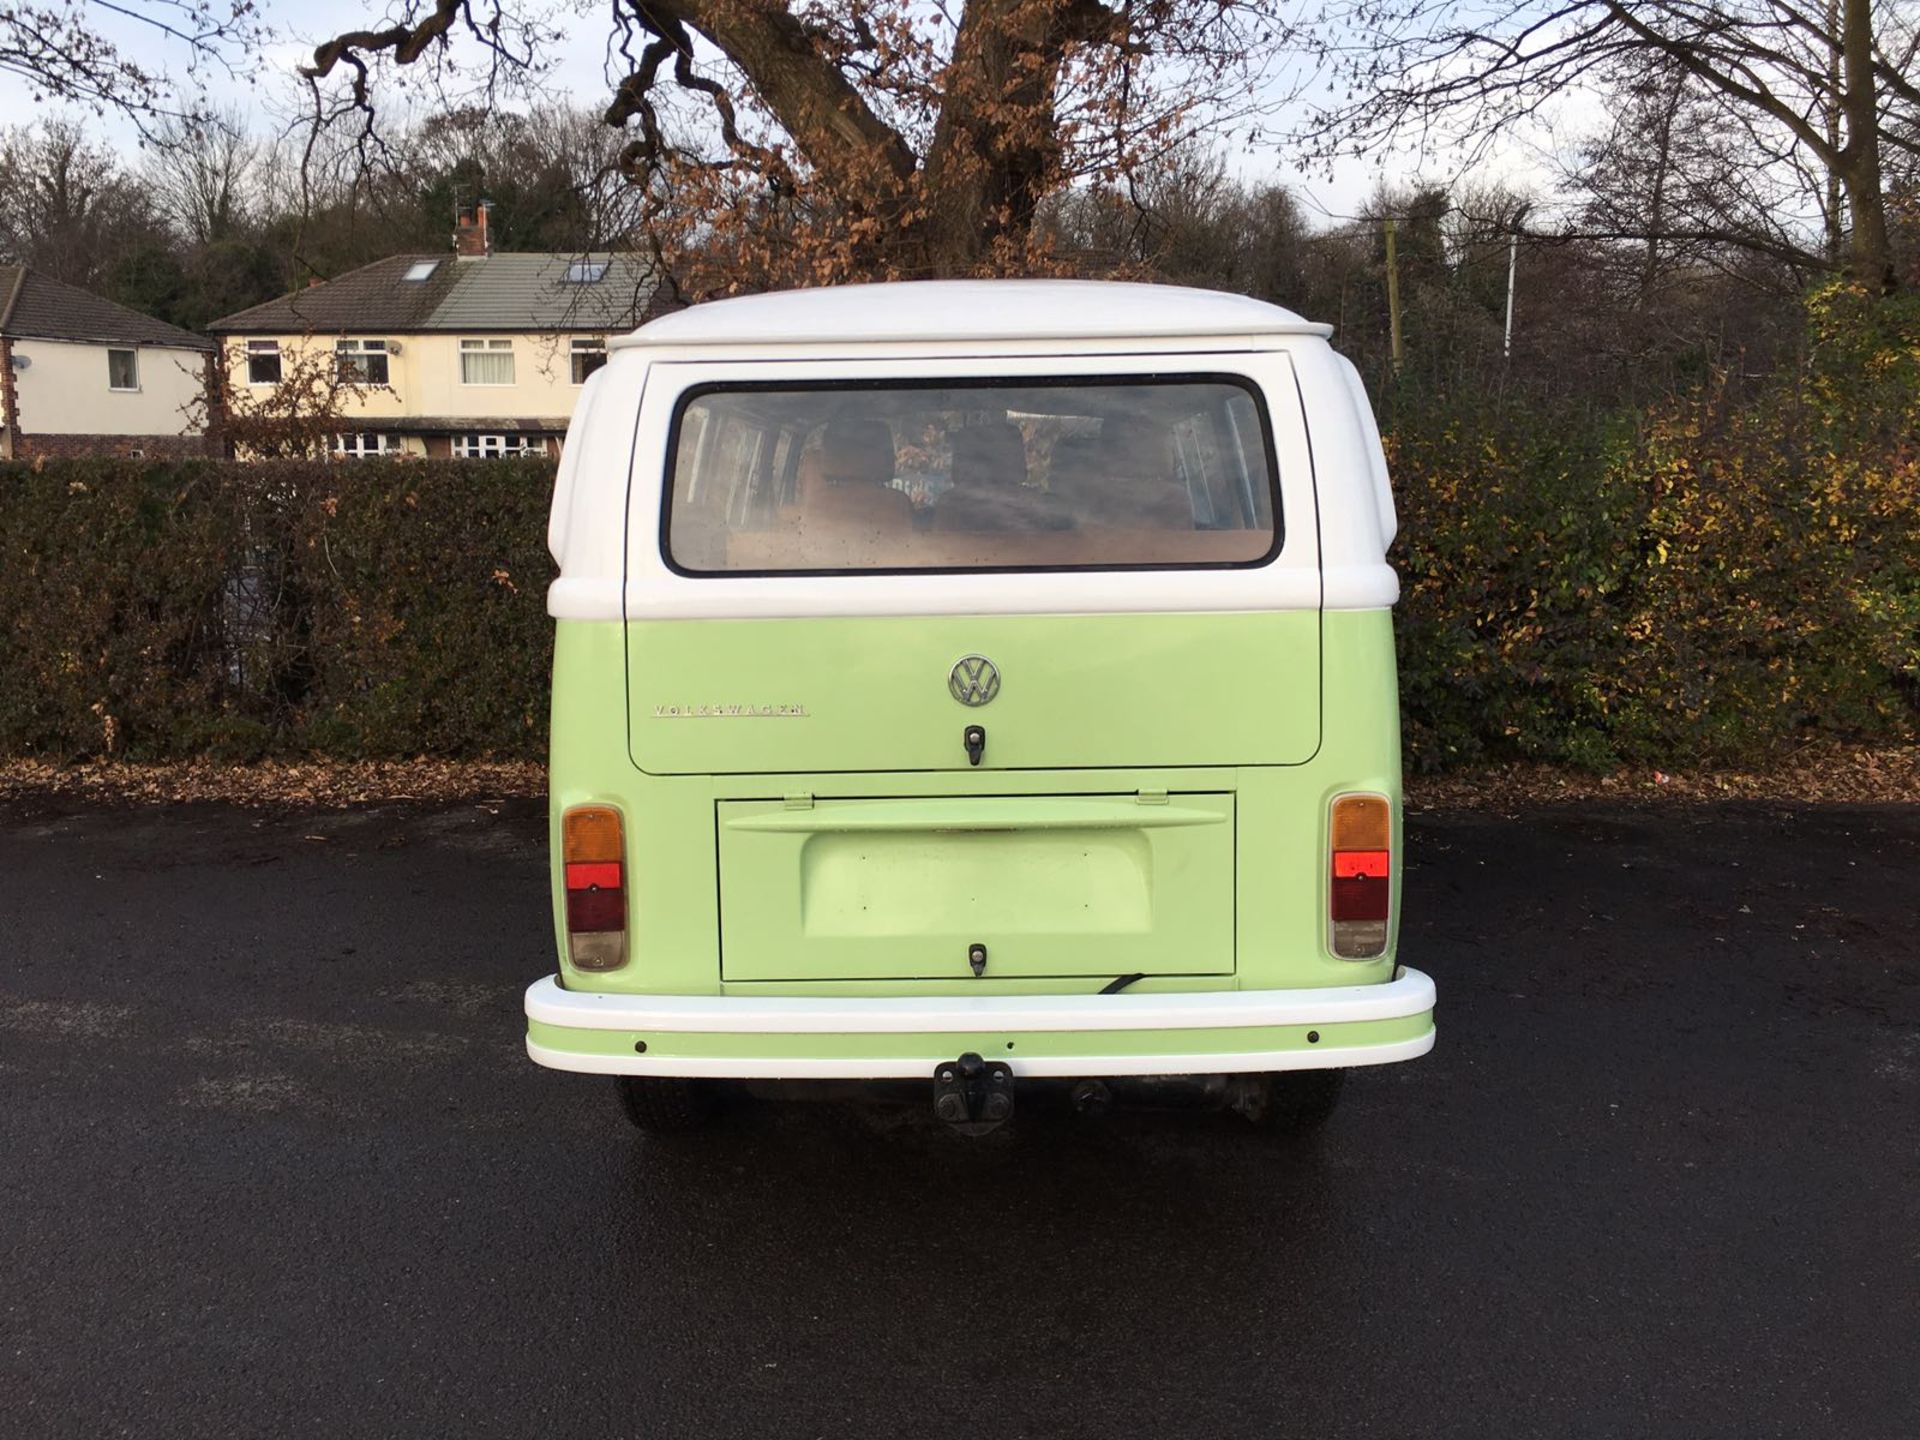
(974, 680)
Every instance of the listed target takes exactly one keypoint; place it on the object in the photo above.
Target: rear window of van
(1080, 473)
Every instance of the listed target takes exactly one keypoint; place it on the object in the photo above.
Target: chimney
(470, 231)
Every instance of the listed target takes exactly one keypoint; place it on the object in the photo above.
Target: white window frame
(353, 445)
(420, 270)
(585, 345)
(482, 445)
(360, 349)
(133, 355)
(1293, 580)
(261, 349)
(488, 347)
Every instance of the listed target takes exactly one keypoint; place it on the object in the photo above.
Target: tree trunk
(996, 150)
(1657, 199)
(815, 104)
(1871, 259)
(1832, 209)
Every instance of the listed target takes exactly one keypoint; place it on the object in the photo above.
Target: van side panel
(673, 897)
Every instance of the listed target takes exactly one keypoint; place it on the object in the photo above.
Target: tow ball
(972, 1095)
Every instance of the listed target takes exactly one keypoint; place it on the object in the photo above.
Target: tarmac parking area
(273, 1162)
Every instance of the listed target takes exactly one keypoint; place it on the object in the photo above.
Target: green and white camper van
(977, 684)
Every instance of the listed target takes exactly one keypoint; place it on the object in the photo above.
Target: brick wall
(70, 447)
(9, 401)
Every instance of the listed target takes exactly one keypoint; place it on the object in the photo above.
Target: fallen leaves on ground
(305, 785)
(1819, 775)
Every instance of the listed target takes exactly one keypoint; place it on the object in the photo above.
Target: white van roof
(967, 310)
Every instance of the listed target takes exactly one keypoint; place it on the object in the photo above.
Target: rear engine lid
(993, 887)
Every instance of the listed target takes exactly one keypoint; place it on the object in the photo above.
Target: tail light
(595, 862)
(1361, 882)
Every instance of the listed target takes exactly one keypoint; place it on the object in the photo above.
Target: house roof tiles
(550, 293)
(34, 306)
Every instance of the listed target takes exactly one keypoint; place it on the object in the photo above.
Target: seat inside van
(845, 509)
(989, 491)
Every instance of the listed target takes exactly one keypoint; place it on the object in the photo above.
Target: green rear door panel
(1081, 692)
(894, 889)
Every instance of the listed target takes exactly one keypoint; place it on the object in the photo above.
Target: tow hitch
(972, 1095)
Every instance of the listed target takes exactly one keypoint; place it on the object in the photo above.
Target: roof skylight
(421, 269)
(585, 272)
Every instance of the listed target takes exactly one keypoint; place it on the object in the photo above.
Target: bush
(111, 589)
(1707, 583)
(425, 600)
(1780, 591)
(1518, 538)
(155, 610)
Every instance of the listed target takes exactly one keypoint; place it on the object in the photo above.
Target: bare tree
(1183, 216)
(1685, 185)
(869, 137)
(58, 48)
(202, 174)
(67, 207)
(1826, 88)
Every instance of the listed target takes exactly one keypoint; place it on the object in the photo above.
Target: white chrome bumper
(920, 1021)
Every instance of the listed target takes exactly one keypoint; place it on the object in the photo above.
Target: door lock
(974, 737)
(977, 959)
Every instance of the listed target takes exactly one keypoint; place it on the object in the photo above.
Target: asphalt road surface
(272, 1163)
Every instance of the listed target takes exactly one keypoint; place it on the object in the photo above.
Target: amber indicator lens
(592, 832)
(1362, 822)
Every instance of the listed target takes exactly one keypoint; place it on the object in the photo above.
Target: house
(80, 375)
(470, 354)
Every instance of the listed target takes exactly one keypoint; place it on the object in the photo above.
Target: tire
(1299, 1102)
(666, 1104)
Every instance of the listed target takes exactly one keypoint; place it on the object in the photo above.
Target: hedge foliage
(153, 610)
(1710, 582)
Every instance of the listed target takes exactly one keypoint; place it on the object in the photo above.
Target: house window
(263, 362)
(360, 362)
(486, 362)
(585, 272)
(588, 356)
(497, 447)
(421, 270)
(123, 370)
(364, 446)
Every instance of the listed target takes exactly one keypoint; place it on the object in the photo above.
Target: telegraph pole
(1513, 255)
(1393, 297)
(1513, 260)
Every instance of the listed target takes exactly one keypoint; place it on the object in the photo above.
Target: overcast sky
(268, 93)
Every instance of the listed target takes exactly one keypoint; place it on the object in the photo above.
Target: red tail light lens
(594, 860)
(1360, 885)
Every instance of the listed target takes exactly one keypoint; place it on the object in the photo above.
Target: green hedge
(1713, 582)
(153, 610)
(1710, 582)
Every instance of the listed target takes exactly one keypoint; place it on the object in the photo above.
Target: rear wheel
(666, 1104)
(1298, 1101)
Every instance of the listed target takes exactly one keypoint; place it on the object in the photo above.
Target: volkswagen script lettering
(729, 712)
(974, 680)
